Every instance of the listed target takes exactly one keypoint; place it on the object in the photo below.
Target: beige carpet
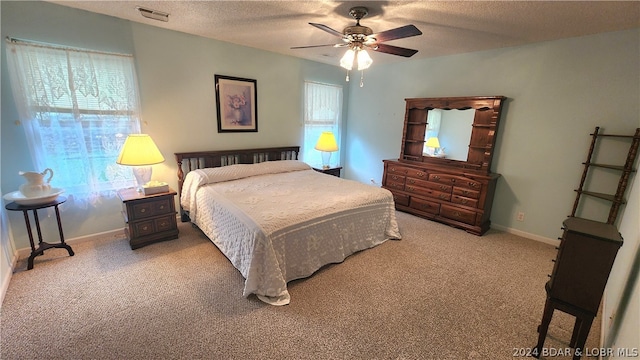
(439, 293)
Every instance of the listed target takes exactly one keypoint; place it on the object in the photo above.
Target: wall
(176, 78)
(557, 93)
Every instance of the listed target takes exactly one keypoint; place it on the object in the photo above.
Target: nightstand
(150, 218)
(335, 171)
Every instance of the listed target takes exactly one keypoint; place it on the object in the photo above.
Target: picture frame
(236, 104)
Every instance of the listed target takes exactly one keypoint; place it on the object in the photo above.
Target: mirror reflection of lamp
(140, 152)
(326, 144)
(432, 145)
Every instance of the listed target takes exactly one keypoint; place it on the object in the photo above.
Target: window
(322, 112)
(77, 108)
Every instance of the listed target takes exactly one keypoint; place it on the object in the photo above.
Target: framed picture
(237, 104)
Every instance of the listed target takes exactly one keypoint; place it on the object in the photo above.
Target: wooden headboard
(188, 161)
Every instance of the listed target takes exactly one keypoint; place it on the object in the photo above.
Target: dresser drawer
(459, 181)
(468, 193)
(392, 185)
(418, 174)
(428, 192)
(429, 185)
(401, 199)
(456, 199)
(424, 205)
(462, 215)
(394, 178)
(395, 169)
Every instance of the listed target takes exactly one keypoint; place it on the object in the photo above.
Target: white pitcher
(36, 185)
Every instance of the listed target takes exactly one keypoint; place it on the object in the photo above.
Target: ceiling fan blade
(394, 50)
(315, 46)
(397, 33)
(327, 29)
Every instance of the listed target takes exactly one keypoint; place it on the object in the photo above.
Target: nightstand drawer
(142, 228)
(151, 208)
(166, 223)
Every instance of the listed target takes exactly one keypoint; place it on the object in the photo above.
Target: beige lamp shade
(432, 142)
(327, 142)
(139, 150)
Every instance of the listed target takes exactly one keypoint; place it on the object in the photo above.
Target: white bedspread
(280, 220)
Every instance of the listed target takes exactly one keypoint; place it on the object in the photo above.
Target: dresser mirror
(465, 129)
(452, 130)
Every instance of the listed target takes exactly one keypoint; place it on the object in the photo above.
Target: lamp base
(142, 175)
(326, 160)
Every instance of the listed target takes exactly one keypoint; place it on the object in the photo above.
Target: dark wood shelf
(603, 196)
(606, 166)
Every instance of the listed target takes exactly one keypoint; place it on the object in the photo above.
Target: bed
(275, 218)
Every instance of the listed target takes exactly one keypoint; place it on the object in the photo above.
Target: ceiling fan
(359, 37)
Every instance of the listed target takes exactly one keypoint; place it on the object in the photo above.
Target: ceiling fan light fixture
(347, 59)
(364, 60)
(153, 14)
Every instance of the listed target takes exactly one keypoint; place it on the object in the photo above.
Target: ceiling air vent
(153, 14)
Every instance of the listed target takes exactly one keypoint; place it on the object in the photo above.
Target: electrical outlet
(520, 216)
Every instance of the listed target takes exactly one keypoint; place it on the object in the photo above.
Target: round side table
(42, 246)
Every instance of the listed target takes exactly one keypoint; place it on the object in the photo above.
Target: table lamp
(140, 152)
(327, 144)
(432, 144)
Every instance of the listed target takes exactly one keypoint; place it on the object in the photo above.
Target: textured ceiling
(448, 27)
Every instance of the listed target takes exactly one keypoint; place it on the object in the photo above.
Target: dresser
(449, 196)
(149, 218)
(454, 190)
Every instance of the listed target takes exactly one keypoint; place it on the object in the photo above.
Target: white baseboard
(6, 278)
(554, 242)
(111, 234)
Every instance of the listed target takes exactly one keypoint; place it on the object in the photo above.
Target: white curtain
(322, 112)
(77, 108)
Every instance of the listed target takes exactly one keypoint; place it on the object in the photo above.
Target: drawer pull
(457, 214)
(443, 196)
(420, 174)
(463, 201)
(410, 188)
(395, 177)
(161, 207)
(143, 210)
(412, 181)
(443, 187)
(145, 228)
(436, 177)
